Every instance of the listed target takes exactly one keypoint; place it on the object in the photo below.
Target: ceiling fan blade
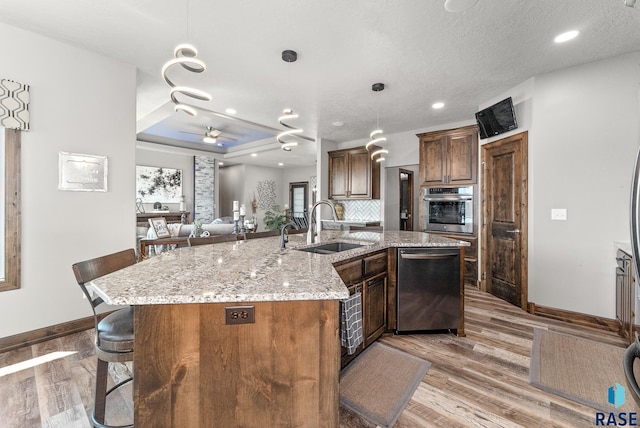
(213, 133)
(224, 138)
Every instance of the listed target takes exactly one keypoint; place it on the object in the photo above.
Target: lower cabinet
(375, 308)
(367, 275)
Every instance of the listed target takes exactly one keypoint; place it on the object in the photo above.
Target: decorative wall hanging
(266, 194)
(14, 105)
(83, 173)
(157, 184)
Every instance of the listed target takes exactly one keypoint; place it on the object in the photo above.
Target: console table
(174, 240)
(142, 219)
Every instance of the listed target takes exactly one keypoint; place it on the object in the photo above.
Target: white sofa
(220, 226)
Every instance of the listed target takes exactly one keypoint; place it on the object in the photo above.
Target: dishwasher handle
(427, 256)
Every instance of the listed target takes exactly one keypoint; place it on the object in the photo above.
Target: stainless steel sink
(330, 248)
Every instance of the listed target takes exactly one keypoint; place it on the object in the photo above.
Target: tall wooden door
(505, 201)
(406, 199)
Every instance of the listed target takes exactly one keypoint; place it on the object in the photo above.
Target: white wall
(82, 103)
(231, 188)
(239, 183)
(254, 174)
(582, 147)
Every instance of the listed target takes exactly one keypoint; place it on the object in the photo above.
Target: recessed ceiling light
(337, 123)
(220, 163)
(280, 164)
(565, 37)
(231, 111)
(437, 105)
(254, 155)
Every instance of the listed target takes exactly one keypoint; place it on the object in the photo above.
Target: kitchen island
(241, 333)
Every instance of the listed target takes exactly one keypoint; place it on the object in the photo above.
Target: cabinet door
(461, 159)
(338, 175)
(433, 169)
(375, 308)
(359, 175)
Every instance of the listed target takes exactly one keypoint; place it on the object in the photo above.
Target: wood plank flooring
(481, 380)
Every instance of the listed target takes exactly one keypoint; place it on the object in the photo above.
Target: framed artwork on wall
(159, 225)
(84, 173)
(158, 184)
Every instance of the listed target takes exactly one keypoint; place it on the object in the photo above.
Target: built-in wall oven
(447, 209)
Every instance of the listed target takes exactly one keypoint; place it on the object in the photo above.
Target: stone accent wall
(204, 184)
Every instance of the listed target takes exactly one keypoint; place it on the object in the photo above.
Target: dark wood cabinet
(353, 175)
(367, 275)
(449, 157)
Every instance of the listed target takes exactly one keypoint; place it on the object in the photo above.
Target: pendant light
(185, 56)
(376, 136)
(284, 138)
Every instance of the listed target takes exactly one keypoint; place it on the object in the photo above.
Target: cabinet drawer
(375, 264)
(350, 272)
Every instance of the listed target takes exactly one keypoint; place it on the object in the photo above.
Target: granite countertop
(250, 270)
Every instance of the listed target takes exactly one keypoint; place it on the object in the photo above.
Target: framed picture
(84, 173)
(159, 225)
(158, 184)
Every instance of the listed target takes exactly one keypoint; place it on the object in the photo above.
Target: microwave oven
(447, 209)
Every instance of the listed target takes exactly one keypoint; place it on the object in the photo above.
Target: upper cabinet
(449, 157)
(353, 175)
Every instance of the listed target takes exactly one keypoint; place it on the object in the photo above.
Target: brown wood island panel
(193, 370)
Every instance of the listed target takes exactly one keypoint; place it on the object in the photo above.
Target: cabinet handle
(427, 256)
(513, 231)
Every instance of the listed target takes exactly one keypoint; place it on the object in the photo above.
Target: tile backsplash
(369, 209)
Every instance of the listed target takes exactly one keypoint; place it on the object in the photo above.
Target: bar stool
(630, 355)
(114, 333)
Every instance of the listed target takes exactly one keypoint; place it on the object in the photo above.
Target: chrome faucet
(311, 233)
(284, 237)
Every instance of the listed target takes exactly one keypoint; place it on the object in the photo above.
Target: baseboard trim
(575, 317)
(29, 338)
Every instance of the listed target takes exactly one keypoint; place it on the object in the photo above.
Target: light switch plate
(558, 214)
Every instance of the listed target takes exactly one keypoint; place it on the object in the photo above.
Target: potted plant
(274, 218)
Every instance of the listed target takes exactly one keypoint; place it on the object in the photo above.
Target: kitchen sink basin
(330, 248)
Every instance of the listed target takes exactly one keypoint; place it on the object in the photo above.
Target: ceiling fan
(212, 136)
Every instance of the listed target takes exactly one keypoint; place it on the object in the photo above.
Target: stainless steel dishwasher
(428, 285)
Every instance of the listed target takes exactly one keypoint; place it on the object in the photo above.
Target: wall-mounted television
(499, 118)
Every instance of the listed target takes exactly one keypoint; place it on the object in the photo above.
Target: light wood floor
(480, 380)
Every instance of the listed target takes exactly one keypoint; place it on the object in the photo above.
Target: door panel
(461, 158)
(338, 177)
(360, 175)
(432, 161)
(505, 219)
